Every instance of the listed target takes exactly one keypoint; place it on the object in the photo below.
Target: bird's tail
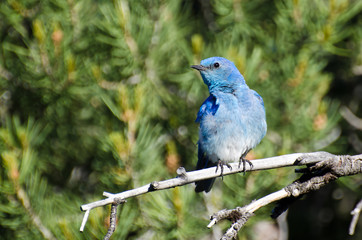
(204, 185)
(203, 162)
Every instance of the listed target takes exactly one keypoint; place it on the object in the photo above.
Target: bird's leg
(221, 165)
(242, 159)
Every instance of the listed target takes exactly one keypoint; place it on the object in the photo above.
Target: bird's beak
(198, 67)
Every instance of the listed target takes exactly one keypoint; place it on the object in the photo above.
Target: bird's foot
(221, 165)
(244, 163)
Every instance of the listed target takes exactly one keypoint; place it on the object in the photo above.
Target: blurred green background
(99, 96)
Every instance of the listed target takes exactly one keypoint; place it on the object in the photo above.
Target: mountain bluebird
(232, 119)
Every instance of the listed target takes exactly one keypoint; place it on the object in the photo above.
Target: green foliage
(98, 96)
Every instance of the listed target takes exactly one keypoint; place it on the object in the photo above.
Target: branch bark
(315, 176)
(322, 168)
(184, 177)
(113, 218)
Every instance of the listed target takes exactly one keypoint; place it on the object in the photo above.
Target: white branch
(184, 177)
(328, 169)
(255, 205)
(355, 213)
(275, 196)
(85, 218)
(350, 117)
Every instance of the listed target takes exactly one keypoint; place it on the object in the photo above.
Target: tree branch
(330, 165)
(113, 218)
(355, 213)
(350, 117)
(184, 177)
(315, 177)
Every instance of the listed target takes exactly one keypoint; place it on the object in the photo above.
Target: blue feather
(209, 106)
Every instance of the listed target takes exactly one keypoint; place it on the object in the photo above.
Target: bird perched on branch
(232, 119)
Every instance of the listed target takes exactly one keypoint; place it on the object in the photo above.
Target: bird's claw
(221, 165)
(244, 163)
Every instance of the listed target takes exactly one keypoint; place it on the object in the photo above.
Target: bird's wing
(209, 106)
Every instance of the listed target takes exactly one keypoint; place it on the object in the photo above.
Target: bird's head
(219, 73)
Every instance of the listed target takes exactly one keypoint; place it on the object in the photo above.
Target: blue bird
(232, 119)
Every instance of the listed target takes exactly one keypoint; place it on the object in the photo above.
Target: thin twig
(355, 213)
(113, 218)
(85, 219)
(350, 117)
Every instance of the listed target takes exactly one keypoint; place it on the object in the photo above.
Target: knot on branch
(181, 173)
(154, 186)
(238, 216)
(233, 215)
(118, 200)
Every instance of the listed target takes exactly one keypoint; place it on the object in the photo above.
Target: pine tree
(98, 96)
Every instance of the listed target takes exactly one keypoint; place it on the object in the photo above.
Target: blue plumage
(232, 119)
(208, 107)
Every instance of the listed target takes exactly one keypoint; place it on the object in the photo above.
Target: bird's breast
(233, 130)
(221, 136)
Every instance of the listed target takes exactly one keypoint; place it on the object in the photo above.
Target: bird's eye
(216, 65)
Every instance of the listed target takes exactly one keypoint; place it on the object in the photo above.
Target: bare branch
(350, 117)
(240, 215)
(355, 213)
(322, 168)
(85, 219)
(113, 218)
(184, 177)
(314, 177)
